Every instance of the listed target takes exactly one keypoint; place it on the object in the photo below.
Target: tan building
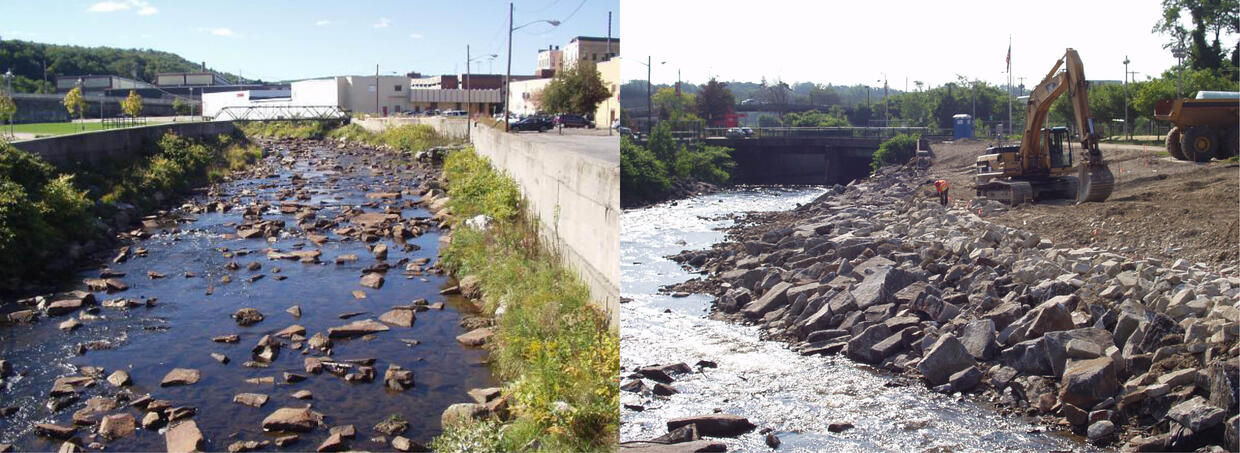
(550, 60)
(608, 111)
(588, 48)
(523, 100)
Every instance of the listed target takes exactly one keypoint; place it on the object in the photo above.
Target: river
(177, 330)
(795, 396)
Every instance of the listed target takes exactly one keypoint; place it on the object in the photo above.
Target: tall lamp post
(508, 74)
(1179, 52)
(468, 96)
(886, 106)
(1126, 95)
(649, 95)
(8, 80)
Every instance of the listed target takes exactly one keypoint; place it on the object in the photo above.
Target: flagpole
(1009, 71)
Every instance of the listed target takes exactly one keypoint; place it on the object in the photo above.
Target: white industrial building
(361, 94)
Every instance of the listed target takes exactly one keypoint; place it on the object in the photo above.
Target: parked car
(569, 120)
(748, 132)
(533, 123)
(734, 132)
(454, 113)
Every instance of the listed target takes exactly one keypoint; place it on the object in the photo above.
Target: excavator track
(1011, 193)
(1096, 183)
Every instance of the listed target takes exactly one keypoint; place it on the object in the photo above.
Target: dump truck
(1204, 128)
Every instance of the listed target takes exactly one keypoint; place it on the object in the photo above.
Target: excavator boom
(1041, 166)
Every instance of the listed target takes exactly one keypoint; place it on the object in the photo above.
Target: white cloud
(416, 36)
(110, 6)
(382, 23)
(322, 23)
(223, 31)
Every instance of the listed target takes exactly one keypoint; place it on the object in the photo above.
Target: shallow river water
(176, 332)
(796, 396)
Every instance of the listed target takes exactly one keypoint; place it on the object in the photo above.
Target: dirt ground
(1161, 207)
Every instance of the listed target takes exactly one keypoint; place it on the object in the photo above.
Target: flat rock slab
(476, 337)
(184, 437)
(250, 399)
(403, 317)
(357, 329)
(714, 425)
(117, 426)
(180, 376)
(293, 419)
(683, 447)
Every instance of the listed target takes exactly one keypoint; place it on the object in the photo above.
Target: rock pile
(1110, 345)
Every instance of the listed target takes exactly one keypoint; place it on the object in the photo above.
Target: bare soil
(1161, 207)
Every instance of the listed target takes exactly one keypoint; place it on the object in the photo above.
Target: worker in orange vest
(941, 186)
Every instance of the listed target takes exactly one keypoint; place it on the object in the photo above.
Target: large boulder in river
(180, 376)
(1086, 382)
(183, 437)
(300, 419)
(943, 359)
(247, 316)
(714, 425)
(1027, 357)
(1196, 414)
(356, 329)
(979, 339)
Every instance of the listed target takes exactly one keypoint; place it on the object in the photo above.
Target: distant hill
(26, 59)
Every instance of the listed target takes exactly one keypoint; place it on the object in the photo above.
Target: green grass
(556, 351)
(42, 129)
(410, 137)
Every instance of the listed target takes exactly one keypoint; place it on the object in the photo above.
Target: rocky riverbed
(299, 306)
(1125, 351)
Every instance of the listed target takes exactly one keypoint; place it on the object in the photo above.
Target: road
(590, 142)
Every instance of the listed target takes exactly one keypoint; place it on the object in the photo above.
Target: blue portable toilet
(962, 126)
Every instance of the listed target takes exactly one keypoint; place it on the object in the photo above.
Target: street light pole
(508, 74)
(649, 99)
(1179, 52)
(8, 80)
(1126, 96)
(469, 109)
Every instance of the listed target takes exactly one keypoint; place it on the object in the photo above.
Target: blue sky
(277, 40)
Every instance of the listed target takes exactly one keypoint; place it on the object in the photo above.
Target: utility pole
(508, 76)
(649, 99)
(469, 116)
(1179, 52)
(1126, 97)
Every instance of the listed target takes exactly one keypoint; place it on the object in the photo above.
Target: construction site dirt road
(1161, 207)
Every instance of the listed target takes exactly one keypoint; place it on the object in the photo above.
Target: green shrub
(705, 163)
(284, 129)
(641, 173)
(564, 399)
(479, 189)
(895, 151)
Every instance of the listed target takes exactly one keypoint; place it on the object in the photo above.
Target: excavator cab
(1054, 140)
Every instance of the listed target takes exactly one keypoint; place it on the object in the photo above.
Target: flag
(1009, 58)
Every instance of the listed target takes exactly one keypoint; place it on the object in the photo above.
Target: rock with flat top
(299, 419)
(117, 426)
(476, 337)
(714, 425)
(357, 329)
(183, 437)
(180, 376)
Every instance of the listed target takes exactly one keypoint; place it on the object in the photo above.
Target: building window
(397, 87)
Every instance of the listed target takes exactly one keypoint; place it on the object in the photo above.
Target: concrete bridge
(799, 160)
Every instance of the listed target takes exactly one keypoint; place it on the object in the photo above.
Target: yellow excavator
(1041, 167)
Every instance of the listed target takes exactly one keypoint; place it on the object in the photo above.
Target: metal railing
(122, 122)
(860, 132)
(282, 113)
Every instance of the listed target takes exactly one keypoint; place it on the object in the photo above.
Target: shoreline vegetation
(50, 217)
(665, 169)
(553, 348)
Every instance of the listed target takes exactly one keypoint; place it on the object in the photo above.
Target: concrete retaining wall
(574, 196)
(67, 151)
(454, 127)
(576, 199)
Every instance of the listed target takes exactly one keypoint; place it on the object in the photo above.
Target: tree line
(32, 62)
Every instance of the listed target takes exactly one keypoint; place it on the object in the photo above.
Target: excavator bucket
(1096, 183)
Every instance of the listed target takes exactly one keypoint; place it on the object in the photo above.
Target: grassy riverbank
(553, 348)
(49, 216)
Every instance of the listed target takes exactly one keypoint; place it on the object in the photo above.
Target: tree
(823, 95)
(75, 103)
(715, 101)
(8, 109)
(576, 90)
(132, 105)
(641, 173)
(674, 106)
(180, 107)
(662, 144)
(1216, 18)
